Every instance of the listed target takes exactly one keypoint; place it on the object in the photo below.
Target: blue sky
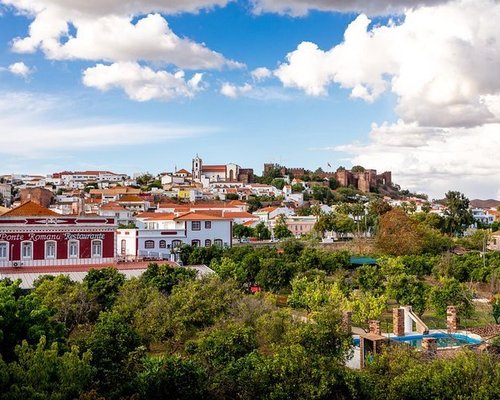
(131, 89)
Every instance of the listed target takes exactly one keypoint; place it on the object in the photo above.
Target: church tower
(197, 164)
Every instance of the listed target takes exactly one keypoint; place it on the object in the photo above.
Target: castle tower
(197, 165)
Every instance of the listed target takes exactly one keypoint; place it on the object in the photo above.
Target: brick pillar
(429, 346)
(398, 321)
(452, 319)
(346, 321)
(374, 326)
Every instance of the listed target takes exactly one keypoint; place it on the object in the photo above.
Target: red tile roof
(30, 209)
(194, 216)
(130, 198)
(213, 168)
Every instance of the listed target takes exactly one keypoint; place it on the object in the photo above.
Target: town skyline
(411, 90)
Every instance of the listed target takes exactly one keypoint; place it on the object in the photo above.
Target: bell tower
(197, 165)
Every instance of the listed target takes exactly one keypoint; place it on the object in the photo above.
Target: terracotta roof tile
(130, 198)
(30, 209)
(194, 216)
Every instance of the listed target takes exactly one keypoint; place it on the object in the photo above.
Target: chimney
(374, 326)
(452, 319)
(429, 346)
(398, 321)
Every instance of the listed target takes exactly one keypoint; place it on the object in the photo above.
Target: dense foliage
(172, 335)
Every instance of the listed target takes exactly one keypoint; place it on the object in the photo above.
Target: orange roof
(267, 209)
(194, 216)
(130, 198)
(237, 203)
(182, 171)
(239, 214)
(112, 207)
(30, 209)
(213, 168)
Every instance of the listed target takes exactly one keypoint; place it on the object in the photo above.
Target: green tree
(297, 188)
(496, 310)
(171, 377)
(24, 317)
(262, 232)
(72, 304)
(253, 204)
(280, 229)
(457, 214)
(408, 290)
(370, 279)
(48, 372)
(104, 285)
(278, 183)
(450, 292)
(112, 344)
(165, 277)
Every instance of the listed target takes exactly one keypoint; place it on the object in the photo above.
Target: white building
(158, 235)
(78, 179)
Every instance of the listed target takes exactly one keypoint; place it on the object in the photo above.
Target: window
(218, 242)
(96, 248)
(4, 251)
(149, 244)
(123, 247)
(163, 244)
(195, 243)
(50, 249)
(176, 243)
(208, 224)
(208, 243)
(73, 249)
(196, 225)
(27, 250)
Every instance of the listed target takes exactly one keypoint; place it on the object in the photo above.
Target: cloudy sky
(127, 85)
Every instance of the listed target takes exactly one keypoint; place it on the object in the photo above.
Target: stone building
(40, 196)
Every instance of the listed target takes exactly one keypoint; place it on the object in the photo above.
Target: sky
(143, 86)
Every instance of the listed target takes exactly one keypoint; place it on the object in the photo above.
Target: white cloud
(32, 127)
(233, 91)
(21, 69)
(433, 160)
(141, 83)
(119, 32)
(261, 73)
(441, 62)
(116, 38)
(117, 7)
(373, 7)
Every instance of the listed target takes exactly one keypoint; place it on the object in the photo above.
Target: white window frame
(208, 224)
(4, 245)
(95, 255)
(46, 245)
(218, 242)
(77, 243)
(196, 243)
(198, 224)
(30, 244)
(147, 244)
(208, 243)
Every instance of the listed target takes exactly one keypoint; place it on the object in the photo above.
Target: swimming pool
(443, 339)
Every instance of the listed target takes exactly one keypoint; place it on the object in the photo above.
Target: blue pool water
(443, 339)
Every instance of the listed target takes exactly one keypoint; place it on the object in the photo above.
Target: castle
(364, 180)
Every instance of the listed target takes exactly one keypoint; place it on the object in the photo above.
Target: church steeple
(197, 166)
